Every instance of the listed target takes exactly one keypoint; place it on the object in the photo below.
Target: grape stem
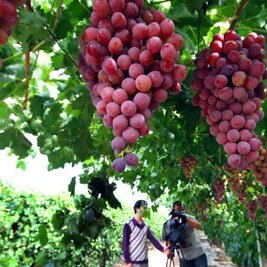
(238, 14)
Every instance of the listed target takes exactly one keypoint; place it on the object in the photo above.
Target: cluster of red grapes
(202, 210)
(128, 60)
(188, 164)
(229, 91)
(263, 203)
(259, 167)
(237, 182)
(8, 19)
(252, 206)
(218, 188)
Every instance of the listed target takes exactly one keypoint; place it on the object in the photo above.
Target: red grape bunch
(259, 167)
(188, 164)
(129, 61)
(8, 19)
(252, 206)
(229, 91)
(263, 203)
(238, 182)
(218, 188)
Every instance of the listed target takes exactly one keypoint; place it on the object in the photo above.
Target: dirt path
(216, 256)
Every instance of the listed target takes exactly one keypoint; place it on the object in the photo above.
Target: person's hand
(129, 265)
(166, 251)
(183, 218)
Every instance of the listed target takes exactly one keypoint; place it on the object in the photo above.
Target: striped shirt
(134, 245)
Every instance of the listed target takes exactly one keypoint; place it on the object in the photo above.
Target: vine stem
(238, 14)
(27, 78)
(51, 33)
(27, 66)
(160, 2)
(11, 57)
(57, 15)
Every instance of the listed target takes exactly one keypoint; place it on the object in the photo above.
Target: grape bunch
(230, 171)
(188, 164)
(259, 167)
(218, 188)
(252, 206)
(8, 19)
(262, 200)
(229, 91)
(238, 183)
(128, 60)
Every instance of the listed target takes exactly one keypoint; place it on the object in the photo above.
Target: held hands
(166, 251)
(129, 265)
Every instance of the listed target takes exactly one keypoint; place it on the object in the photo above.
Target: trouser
(140, 265)
(200, 261)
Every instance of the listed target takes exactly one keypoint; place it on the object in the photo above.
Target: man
(135, 234)
(192, 253)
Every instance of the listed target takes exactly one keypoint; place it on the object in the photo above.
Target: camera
(173, 228)
(179, 216)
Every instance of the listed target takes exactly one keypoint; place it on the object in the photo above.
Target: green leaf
(38, 104)
(4, 110)
(42, 235)
(71, 187)
(62, 256)
(14, 139)
(84, 179)
(93, 230)
(20, 144)
(78, 13)
(5, 140)
(10, 262)
(210, 145)
(251, 189)
(21, 165)
(6, 91)
(31, 29)
(64, 25)
(66, 239)
(58, 220)
(194, 5)
(57, 61)
(41, 259)
(190, 125)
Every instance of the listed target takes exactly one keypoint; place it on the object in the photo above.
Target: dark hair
(138, 204)
(177, 202)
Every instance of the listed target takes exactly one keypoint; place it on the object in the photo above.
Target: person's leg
(201, 261)
(184, 263)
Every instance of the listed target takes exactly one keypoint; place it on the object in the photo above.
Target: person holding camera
(135, 234)
(179, 234)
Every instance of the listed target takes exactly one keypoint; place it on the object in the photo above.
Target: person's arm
(125, 243)
(154, 241)
(193, 222)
